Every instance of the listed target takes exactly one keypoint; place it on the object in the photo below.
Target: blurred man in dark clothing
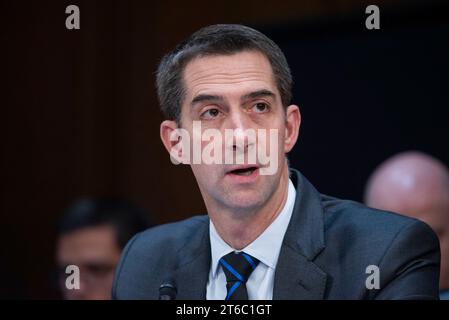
(92, 234)
(416, 185)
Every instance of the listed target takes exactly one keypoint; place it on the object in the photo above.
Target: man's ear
(167, 131)
(176, 141)
(293, 122)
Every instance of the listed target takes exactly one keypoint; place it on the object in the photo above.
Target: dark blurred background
(79, 115)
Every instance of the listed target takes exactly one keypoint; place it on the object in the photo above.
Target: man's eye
(260, 107)
(210, 114)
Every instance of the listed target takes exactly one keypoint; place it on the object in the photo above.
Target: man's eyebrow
(217, 98)
(258, 94)
(206, 97)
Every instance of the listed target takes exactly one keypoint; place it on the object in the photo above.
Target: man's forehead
(220, 72)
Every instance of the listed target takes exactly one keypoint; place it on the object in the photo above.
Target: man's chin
(242, 202)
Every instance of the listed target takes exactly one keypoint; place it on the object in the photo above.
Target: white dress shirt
(265, 248)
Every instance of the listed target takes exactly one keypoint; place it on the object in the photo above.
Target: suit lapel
(192, 274)
(297, 277)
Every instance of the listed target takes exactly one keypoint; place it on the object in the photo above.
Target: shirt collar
(267, 246)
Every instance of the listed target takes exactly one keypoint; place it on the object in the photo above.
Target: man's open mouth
(243, 171)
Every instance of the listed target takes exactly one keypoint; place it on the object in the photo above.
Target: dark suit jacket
(328, 245)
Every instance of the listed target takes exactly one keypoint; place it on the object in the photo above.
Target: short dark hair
(220, 39)
(123, 216)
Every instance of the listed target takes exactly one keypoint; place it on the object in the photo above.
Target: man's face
(96, 253)
(237, 92)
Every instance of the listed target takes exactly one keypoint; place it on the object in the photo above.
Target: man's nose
(239, 125)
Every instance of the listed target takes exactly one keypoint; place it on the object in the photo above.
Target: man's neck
(239, 230)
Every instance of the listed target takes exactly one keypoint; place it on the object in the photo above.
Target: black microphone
(167, 291)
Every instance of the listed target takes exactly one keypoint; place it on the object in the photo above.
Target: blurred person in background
(91, 235)
(416, 185)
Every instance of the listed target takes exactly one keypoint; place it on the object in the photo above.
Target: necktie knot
(238, 267)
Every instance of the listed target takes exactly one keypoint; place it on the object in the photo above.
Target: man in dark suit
(268, 234)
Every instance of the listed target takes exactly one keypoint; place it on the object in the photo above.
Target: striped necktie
(237, 267)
